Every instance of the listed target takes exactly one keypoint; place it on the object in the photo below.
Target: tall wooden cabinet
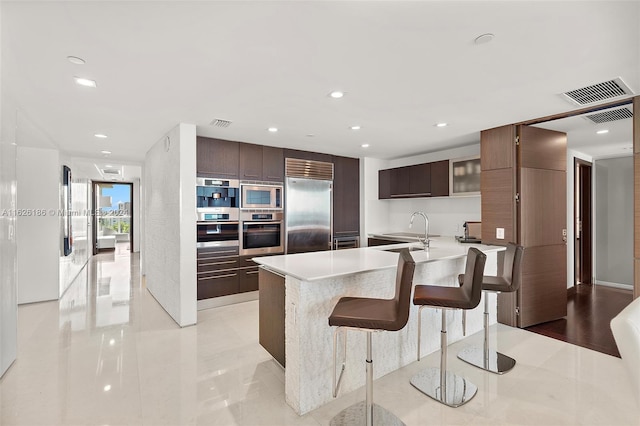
(346, 196)
(523, 185)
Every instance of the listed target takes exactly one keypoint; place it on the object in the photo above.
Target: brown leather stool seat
(368, 314)
(508, 281)
(440, 384)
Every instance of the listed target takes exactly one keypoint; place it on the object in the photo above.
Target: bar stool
(438, 383)
(366, 314)
(508, 281)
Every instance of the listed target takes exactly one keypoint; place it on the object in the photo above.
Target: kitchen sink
(398, 250)
(408, 235)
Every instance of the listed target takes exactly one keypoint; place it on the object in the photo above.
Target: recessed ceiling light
(100, 135)
(355, 127)
(602, 132)
(365, 145)
(272, 129)
(105, 152)
(85, 82)
(336, 94)
(75, 60)
(484, 38)
(107, 388)
(441, 125)
(108, 165)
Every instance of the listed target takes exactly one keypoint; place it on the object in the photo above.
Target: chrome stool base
(357, 415)
(454, 392)
(492, 361)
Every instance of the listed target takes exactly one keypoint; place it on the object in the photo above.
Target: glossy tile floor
(107, 354)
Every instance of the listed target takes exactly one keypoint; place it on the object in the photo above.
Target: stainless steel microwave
(257, 196)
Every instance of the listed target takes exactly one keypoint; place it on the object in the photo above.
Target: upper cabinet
(307, 155)
(464, 176)
(217, 158)
(272, 164)
(418, 180)
(346, 196)
(245, 161)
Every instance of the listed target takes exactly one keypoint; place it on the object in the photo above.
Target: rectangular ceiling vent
(218, 122)
(605, 91)
(609, 115)
(111, 171)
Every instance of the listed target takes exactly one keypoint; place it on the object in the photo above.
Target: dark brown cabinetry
(217, 272)
(217, 158)
(384, 184)
(261, 163)
(381, 242)
(306, 155)
(272, 164)
(346, 196)
(221, 272)
(418, 180)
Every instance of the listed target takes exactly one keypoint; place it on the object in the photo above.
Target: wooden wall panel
(542, 148)
(543, 209)
(271, 314)
(543, 294)
(497, 148)
(498, 207)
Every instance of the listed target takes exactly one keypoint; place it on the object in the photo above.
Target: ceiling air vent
(218, 122)
(607, 90)
(610, 115)
(111, 171)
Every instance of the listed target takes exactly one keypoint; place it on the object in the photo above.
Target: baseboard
(614, 285)
(216, 302)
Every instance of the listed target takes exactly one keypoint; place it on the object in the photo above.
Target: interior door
(542, 213)
(582, 223)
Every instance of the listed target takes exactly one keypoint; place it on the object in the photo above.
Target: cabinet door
(216, 284)
(272, 164)
(217, 158)
(250, 161)
(400, 180)
(384, 184)
(346, 196)
(440, 178)
(420, 180)
(306, 155)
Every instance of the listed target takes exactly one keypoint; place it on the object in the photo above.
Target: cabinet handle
(217, 277)
(420, 194)
(217, 263)
(252, 272)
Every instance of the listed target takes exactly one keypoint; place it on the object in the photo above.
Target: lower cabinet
(222, 272)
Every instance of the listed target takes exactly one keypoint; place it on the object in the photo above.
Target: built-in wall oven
(261, 232)
(217, 207)
(261, 196)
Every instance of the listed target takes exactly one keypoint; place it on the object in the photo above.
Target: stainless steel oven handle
(263, 222)
(217, 222)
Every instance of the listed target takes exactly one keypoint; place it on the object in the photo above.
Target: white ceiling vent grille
(111, 171)
(309, 169)
(607, 90)
(610, 115)
(218, 122)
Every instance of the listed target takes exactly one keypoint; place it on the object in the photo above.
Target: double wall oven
(217, 207)
(243, 215)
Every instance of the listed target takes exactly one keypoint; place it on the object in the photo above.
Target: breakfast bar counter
(298, 293)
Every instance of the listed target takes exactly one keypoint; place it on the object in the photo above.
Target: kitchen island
(298, 293)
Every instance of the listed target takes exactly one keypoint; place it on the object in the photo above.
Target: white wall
(571, 156)
(8, 249)
(137, 217)
(614, 221)
(446, 214)
(170, 223)
(38, 236)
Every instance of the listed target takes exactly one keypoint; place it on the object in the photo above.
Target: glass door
(112, 218)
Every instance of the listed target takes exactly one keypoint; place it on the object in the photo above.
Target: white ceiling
(405, 66)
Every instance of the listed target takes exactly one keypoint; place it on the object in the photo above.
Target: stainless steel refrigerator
(308, 216)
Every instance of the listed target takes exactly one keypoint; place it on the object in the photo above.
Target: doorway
(582, 222)
(113, 219)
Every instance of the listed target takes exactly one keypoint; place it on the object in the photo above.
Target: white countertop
(329, 264)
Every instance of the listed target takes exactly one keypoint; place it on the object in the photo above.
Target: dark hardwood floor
(589, 311)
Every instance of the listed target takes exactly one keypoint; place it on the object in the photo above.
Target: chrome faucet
(425, 243)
